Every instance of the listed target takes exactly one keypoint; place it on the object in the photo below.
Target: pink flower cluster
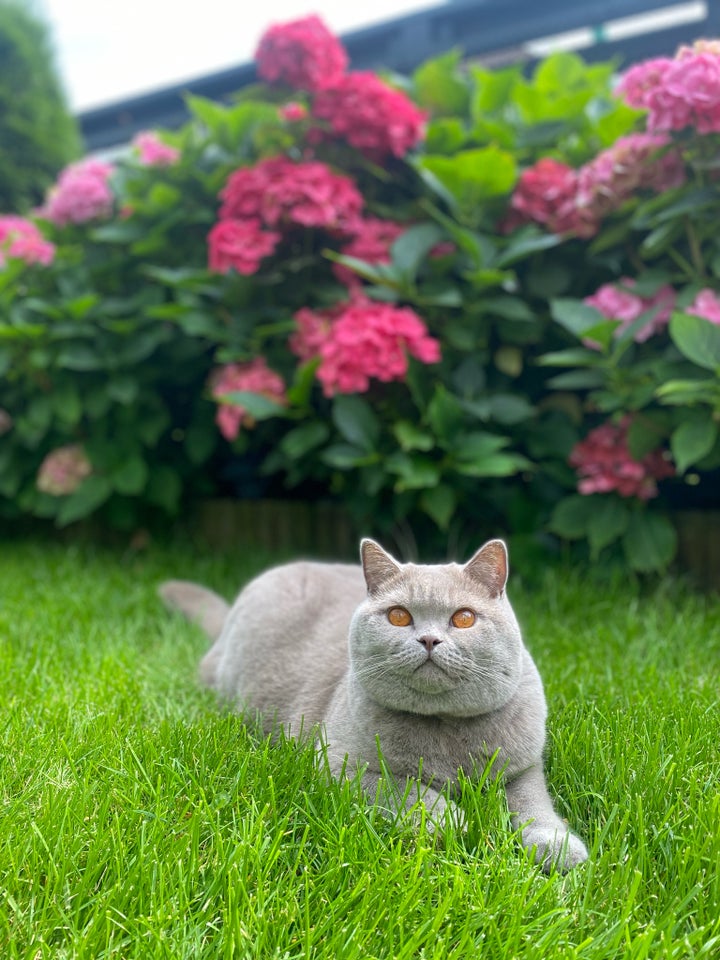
(707, 305)
(357, 106)
(63, 470)
(604, 464)
(81, 193)
(277, 192)
(253, 377)
(20, 239)
(302, 53)
(371, 241)
(568, 201)
(679, 92)
(620, 303)
(153, 152)
(371, 116)
(362, 340)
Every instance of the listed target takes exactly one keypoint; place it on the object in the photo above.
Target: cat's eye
(399, 617)
(462, 619)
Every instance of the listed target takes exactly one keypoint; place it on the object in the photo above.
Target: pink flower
(302, 53)
(279, 192)
(633, 163)
(706, 304)
(82, 193)
(678, 93)
(63, 470)
(253, 377)
(371, 242)
(604, 464)
(239, 245)
(371, 116)
(547, 193)
(293, 112)
(20, 239)
(619, 303)
(153, 152)
(360, 340)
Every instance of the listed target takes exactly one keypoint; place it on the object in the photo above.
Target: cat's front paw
(554, 848)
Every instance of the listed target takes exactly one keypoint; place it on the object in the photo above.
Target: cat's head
(439, 640)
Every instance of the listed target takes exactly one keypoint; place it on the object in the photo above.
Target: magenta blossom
(239, 245)
(620, 303)
(20, 239)
(82, 193)
(153, 152)
(302, 53)
(706, 304)
(363, 340)
(604, 464)
(253, 377)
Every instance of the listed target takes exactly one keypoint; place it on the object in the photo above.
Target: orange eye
(399, 617)
(462, 619)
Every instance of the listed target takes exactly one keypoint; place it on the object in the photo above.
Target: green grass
(138, 821)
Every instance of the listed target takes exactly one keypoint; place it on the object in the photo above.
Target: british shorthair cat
(425, 660)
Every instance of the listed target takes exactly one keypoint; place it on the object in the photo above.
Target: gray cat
(426, 661)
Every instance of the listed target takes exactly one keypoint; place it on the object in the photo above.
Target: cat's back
(283, 648)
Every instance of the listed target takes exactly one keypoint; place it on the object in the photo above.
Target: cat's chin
(430, 678)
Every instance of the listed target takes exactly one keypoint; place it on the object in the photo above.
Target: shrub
(270, 299)
(37, 133)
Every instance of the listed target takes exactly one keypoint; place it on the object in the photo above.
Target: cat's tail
(196, 603)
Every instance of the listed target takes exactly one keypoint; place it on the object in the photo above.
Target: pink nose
(429, 642)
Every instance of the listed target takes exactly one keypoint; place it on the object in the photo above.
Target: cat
(425, 660)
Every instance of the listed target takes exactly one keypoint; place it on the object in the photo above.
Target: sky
(108, 50)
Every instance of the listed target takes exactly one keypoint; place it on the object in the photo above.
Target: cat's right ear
(378, 566)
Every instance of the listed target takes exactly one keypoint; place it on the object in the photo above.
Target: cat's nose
(429, 642)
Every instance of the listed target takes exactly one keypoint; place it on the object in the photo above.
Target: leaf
(356, 421)
(575, 316)
(303, 439)
(445, 415)
(414, 471)
(693, 440)
(650, 542)
(164, 488)
(472, 176)
(524, 243)
(697, 338)
(79, 356)
(90, 495)
(344, 455)
(440, 87)
(494, 465)
(577, 380)
(257, 405)
(413, 245)
(571, 517)
(608, 522)
(411, 437)
(130, 476)
(439, 504)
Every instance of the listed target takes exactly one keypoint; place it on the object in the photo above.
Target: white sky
(110, 49)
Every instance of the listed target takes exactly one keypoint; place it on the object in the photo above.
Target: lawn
(138, 821)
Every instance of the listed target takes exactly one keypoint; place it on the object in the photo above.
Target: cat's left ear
(378, 566)
(489, 566)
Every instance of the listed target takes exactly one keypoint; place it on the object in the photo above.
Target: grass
(138, 821)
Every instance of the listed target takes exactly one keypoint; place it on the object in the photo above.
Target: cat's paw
(554, 848)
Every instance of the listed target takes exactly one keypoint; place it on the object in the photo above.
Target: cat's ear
(489, 566)
(378, 566)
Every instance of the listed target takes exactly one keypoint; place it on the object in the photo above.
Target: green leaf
(693, 440)
(445, 415)
(440, 87)
(439, 504)
(411, 247)
(650, 542)
(130, 476)
(303, 439)
(575, 316)
(257, 405)
(608, 522)
(644, 435)
(199, 442)
(344, 455)
(524, 243)
(123, 389)
(164, 488)
(90, 495)
(494, 465)
(510, 308)
(298, 393)
(414, 471)
(79, 356)
(571, 517)
(472, 176)
(577, 380)
(697, 338)
(411, 437)
(356, 421)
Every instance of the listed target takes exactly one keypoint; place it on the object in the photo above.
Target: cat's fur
(310, 645)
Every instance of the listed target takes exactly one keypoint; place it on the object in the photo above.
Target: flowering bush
(476, 301)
